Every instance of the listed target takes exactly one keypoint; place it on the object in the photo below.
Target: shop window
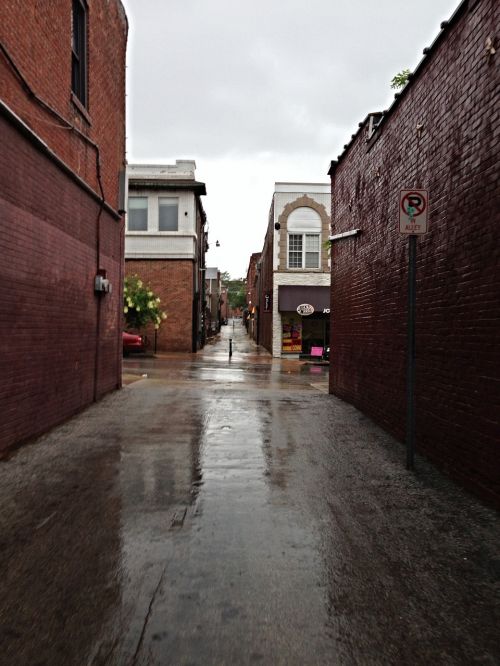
(168, 214)
(138, 214)
(291, 333)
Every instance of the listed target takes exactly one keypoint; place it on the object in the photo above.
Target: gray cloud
(288, 80)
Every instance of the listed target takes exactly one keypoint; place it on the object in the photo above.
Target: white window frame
(304, 250)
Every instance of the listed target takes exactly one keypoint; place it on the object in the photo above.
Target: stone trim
(303, 201)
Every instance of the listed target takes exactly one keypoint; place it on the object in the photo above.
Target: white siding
(181, 169)
(160, 245)
(152, 243)
(320, 193)
(282, 199)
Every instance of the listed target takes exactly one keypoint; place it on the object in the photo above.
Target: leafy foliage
(236, 292)
(401, 79)
(140, 305)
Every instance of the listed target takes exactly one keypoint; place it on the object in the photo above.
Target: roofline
(155, 165)
(148, 183)
(284, 182)
(398, 96)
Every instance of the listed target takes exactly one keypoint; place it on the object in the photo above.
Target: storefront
(305, 318)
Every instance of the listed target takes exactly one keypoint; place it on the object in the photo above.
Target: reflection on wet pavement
(230, 511)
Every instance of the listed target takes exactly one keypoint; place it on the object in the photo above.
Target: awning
(290, 297)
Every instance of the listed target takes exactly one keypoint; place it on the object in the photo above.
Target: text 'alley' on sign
(413, 207)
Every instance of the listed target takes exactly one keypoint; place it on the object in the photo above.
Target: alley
(229, 511)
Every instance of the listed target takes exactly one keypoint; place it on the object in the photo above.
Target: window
(138, 214)
(79, 51)
(303, 251)
(312, 251)
(304, 238)
(295, 250)
(168, 214)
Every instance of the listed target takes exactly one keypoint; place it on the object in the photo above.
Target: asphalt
(229, 511)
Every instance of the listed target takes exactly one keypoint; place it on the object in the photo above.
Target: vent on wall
(373, 122)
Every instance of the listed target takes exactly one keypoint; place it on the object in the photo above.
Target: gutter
(20, 125)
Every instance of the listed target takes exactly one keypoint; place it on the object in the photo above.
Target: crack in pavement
(146, 619)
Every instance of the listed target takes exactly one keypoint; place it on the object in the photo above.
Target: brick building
(295, 270)
(252, 295)
(213, 291)
(442, 133)
(165, 246)
(62, 122)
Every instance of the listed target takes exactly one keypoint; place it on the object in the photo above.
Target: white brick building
(295, 271)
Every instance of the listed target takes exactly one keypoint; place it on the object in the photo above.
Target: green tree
(140, 305)
(401, 79)
(236, 292)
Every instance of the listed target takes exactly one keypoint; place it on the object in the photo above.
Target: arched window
(304, 238)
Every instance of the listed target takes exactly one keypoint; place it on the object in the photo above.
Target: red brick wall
(37, 35)
(172, 281)
(60, 344)
(48, 309)
(265, 282)
(454, 155)
(253, 293)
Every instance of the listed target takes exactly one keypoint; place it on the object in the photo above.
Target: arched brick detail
(303, 202)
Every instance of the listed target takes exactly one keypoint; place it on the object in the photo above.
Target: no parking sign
(413, 207)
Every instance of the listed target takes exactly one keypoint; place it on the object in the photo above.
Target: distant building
(62, 127)
(165, 245)
(252, 295)
(440, 134)
(294, 272)
(212, 300)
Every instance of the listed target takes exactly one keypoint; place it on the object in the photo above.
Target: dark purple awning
(289, 298)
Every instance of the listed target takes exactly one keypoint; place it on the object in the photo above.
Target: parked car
(132, 343)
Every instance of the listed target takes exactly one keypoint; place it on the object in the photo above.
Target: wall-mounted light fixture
(217, 244)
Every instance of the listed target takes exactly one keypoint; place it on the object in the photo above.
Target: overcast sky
(262, 91)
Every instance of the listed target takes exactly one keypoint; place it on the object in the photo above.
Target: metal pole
(230, 347)
(410, 376)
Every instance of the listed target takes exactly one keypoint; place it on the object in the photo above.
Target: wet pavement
(230, 511)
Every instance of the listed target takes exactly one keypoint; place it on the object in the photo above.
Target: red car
(132, 343)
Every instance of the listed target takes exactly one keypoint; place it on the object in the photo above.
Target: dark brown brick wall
(172, 281)
(265, 286)
(454, 155)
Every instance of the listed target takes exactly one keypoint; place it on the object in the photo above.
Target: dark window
(168, 214)
(138, 214)
(79, 51)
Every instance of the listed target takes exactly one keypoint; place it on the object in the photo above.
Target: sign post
(413, 207)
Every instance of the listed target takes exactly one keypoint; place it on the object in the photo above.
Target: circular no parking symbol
(413, 204)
